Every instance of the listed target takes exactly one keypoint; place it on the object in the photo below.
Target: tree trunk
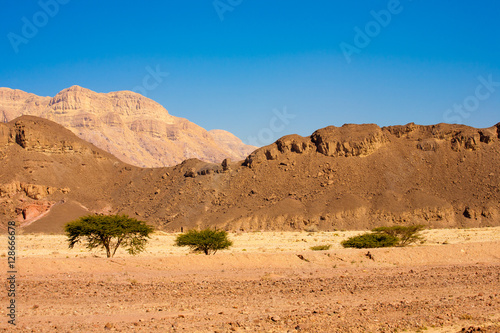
(108, 250)
(117, 245)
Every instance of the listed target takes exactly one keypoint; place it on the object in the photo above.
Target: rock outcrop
(348, 140)
(30, 134)
(32, 191)
(458, 137)
(23, 202)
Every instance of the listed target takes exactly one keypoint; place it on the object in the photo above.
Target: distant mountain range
(133, 128)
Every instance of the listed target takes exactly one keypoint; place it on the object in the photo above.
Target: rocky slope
(355, 176)
(352, 177)
(132, 127)
(45, 167)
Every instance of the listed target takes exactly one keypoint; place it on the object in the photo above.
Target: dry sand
(450, 282)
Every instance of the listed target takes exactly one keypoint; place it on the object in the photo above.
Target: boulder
(226, 164)
(295, 143)
(191, 173)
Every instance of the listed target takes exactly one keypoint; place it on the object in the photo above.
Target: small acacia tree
(369, 241)
(206, 241)
(386, 236)
(109, 232)
(405, 234)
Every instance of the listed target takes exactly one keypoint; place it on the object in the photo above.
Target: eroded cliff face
(362, 140)
(130, 126)
(346, 141)
(458, 137)
(14, 103)
(25, 203)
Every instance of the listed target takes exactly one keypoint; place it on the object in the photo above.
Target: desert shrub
(321, 247)
(406, 234)
(109, 232)
(206, 241)
(370, 240)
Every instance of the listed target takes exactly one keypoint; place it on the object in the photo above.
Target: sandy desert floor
(449, 283)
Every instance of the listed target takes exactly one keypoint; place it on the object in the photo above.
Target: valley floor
(268, 282)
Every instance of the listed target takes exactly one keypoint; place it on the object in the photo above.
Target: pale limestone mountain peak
(134, 128)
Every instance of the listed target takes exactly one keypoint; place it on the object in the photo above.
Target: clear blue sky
(232, 64)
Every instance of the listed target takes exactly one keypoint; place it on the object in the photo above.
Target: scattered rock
(469, 213)
(471, 329)
(301, 257)
(226, 164)
(191, 173)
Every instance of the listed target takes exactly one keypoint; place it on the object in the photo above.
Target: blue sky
(264, 69)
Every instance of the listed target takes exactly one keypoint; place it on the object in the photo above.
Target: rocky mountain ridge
(349, 177)
(132, 127)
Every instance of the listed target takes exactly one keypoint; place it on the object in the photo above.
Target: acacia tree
(386, 236)
(405, 234)
(109, 232)
(205, 241)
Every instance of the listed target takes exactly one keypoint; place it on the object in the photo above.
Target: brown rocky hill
(132, 127)
(45, 169)
(349, 177)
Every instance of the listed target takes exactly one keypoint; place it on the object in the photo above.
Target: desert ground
(267, 282)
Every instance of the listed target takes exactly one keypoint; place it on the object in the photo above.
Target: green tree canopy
(368, 241)
(405, 234)
(386, 236)
(109, 232)
(206, 241)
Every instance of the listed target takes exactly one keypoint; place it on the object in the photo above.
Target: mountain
(349, 177)
(130, 126)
